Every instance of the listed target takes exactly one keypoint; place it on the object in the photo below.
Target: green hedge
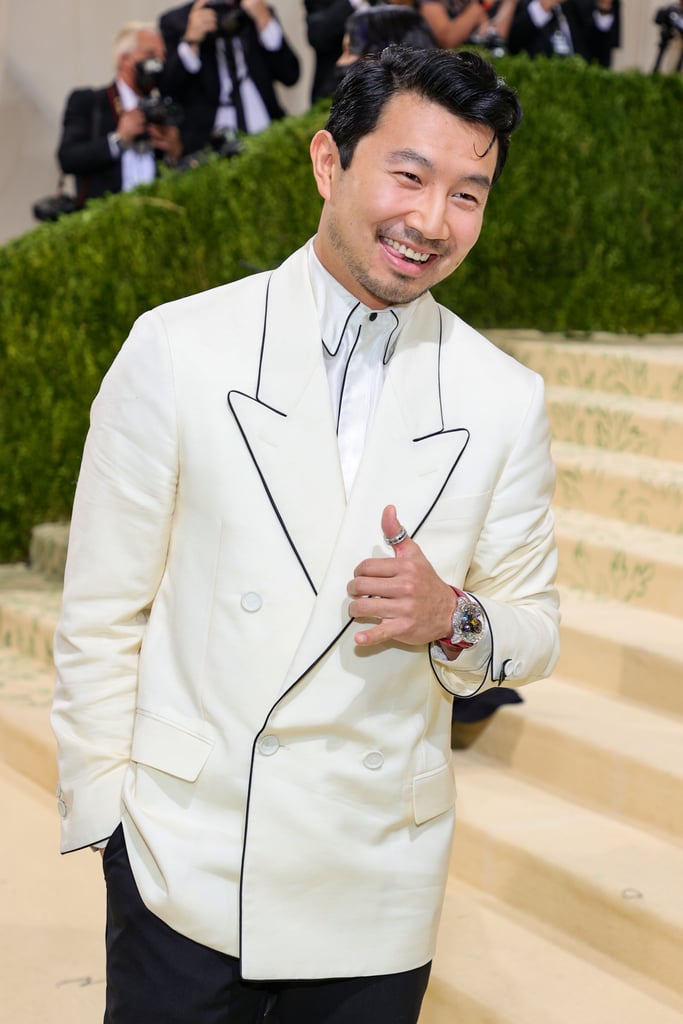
(582, 233)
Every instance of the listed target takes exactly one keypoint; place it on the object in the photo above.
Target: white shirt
(358, 344)
(256, 116)
(138, 167)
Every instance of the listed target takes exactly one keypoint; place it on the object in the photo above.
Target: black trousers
(157, 976)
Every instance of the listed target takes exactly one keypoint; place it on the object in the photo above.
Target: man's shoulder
(484, 356)
(86, 97)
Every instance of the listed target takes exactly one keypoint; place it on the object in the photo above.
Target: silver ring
(397, 539)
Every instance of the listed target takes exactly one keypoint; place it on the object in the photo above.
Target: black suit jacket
(83, 148)
(589, 42)
(198, 94)
(325, 25)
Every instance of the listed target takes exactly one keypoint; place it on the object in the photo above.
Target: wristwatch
(468, 625)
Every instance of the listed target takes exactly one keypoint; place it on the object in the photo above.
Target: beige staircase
(566, 898)
(565, 902)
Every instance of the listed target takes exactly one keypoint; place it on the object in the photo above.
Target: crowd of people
(208, 71)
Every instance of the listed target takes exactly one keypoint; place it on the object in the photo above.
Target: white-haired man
(108, 143)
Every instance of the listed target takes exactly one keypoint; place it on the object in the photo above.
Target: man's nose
(430, 216)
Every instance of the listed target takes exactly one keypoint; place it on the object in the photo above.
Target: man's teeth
(405, 250)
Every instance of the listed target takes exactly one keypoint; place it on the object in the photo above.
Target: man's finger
(394, 534)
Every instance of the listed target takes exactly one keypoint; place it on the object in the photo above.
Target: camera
(670, 21)
(670, 17)
(157, 109)
(230, 17)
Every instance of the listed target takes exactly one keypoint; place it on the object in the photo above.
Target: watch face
(468, 622)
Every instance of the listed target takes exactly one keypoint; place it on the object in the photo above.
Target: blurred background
(48, 47)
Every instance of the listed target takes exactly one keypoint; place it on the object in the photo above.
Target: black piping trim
(341, 335)
(251, 766)
(263, 341)
(346, 370)
(263, 479)
(386, 357)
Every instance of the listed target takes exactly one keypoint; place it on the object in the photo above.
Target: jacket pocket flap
(169, 747)
(433, 793)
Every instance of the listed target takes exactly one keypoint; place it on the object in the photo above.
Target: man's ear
(325, 160)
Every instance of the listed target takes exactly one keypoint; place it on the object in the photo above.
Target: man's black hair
(463, 82)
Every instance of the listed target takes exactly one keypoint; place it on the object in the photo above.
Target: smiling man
(313, 506)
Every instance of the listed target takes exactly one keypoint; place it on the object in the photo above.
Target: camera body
(670, 18)
(229, 15)
(157, 109)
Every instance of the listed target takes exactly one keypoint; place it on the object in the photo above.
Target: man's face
(409, 207)
(149, 44)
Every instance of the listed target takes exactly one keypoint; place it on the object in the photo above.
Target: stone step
(627, 651)
(622, 423)
(52, 911)
(608, 885)
(626, 562)
(648, 369)
(26, 740)
(619, 485)
(619, 757)
(29, 609)
(496, 965)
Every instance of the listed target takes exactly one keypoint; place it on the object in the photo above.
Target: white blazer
(286, 796)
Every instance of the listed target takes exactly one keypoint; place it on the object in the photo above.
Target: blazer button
(251, 602)
(268, 745)
(61, 807)
(373, 760)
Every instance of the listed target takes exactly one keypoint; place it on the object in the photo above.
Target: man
(254, 693)
(325, 28)
(560, 28)
(214, 47)
(107, 142)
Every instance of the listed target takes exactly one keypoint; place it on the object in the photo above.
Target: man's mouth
(406, 252)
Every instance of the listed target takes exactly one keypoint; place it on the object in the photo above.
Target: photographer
(560, 28)
(223, 61)
(107, 141)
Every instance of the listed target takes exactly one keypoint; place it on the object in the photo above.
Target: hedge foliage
(582, 233)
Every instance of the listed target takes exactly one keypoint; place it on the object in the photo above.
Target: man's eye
(410, 176)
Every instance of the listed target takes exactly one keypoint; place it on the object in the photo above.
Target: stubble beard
(393, 293)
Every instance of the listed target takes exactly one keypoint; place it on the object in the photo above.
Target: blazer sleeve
(83, 150)
(117, 551)
(513, 569)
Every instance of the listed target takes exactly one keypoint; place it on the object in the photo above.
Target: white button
(61, 807)
(373, 760)
(269, 745)
(58, 791)
(251, 602)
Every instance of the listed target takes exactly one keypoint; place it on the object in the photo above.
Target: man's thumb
(394, 534)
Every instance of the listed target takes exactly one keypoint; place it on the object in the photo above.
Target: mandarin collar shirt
(358, 345)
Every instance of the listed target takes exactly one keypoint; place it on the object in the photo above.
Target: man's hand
(131, 125)
(201, 21)
(413, 604)
(258, 11)
(166, 138)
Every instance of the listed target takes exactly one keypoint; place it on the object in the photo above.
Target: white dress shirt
(138, 165)
(358, 344)
(256, 115)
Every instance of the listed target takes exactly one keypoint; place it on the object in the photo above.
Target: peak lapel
(288, 425)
